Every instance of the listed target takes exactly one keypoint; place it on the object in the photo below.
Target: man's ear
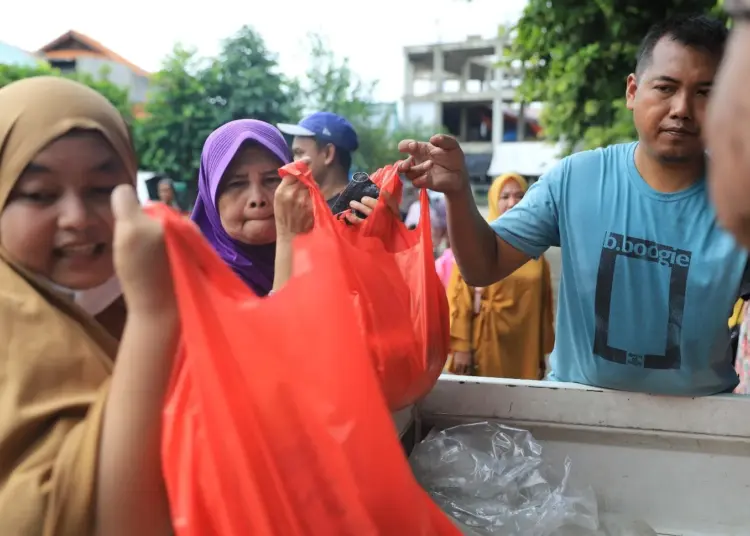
(631, 86)
(330, 156)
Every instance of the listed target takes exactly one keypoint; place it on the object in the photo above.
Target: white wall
(424, 113)
(118, 74)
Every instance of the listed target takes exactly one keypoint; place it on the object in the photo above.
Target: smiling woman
(236, 186)
(67, 412)
(57, 221)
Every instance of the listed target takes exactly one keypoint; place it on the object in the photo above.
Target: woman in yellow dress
(504, 330)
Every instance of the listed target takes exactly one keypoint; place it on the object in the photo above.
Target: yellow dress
(513, 329)
(509, 325)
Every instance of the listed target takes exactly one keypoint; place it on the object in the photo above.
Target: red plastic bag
(275, 424)
(390, 273)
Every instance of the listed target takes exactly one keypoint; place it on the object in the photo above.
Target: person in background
(71, 431)
(728, 128)
(648, 275)
(445, 263)
(328, 141)
(234, 210)
(166, 192)
(504, 330)
(444, 260)
(728, 141)
(438, 219)
(742, 360)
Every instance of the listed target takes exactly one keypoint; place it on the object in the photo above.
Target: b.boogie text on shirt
(638, 248)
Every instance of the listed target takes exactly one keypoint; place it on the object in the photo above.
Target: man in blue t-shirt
(648, 277)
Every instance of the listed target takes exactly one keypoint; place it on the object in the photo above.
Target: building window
(64, 66)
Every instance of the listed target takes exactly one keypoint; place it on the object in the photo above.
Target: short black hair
(343, 157)
(705, 33)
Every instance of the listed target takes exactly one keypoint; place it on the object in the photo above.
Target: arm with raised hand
(439, 165)
(130, 492)
(727, 129)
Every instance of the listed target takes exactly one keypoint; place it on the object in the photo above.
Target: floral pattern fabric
(742, 363)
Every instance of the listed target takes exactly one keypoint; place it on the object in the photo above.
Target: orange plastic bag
(275, 424)
(390, 272)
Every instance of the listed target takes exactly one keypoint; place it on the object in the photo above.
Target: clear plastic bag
(493, 480)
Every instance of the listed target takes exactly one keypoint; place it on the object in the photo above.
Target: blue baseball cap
(326, 127)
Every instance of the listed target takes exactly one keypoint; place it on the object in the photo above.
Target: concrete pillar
(521, 127)
(438, 69)
(408, 76)
(489, 77)
(497, 121)
(463, 130)
(465, 75)
(497, 102)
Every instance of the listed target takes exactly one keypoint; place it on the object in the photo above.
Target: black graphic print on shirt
(678, 262)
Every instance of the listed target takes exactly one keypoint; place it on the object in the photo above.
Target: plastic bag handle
(301, 171)
(183, 234)
(322, 214)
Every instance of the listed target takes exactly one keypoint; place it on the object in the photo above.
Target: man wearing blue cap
(328, 140)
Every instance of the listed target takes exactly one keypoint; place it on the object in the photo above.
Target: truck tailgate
(680, 464)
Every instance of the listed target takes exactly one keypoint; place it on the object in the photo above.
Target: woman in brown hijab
(79, 435)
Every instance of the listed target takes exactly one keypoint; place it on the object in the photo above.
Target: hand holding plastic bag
(389, 275)
(272, 433)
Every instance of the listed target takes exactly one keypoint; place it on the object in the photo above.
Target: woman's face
(510, 195)
(245, 199)
(166, 192)
(57, 221)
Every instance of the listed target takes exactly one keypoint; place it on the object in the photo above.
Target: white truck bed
(680, 464)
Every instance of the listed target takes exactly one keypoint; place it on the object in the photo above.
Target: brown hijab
(55, 360)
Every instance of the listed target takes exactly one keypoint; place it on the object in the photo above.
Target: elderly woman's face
(58, 222)
(245, 198)
(510, 196)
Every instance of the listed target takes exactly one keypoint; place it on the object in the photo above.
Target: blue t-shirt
(648, 278)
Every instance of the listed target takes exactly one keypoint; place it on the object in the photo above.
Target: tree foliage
(180, 115)
(117, 95)
(331, 85)
(191, 96)
(576, 57)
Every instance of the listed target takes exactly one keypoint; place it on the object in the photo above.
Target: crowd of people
(89, 321)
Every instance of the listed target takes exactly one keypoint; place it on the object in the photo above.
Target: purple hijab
(253, 264)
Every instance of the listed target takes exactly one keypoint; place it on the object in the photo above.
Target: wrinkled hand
(463, 363)
(292, 208)
(367, 206)
(140, 256)
(727, 134)
(438, 164)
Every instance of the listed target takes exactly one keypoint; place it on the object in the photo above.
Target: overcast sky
(144, 31)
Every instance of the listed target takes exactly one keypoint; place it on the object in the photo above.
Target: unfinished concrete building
(462, 88)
